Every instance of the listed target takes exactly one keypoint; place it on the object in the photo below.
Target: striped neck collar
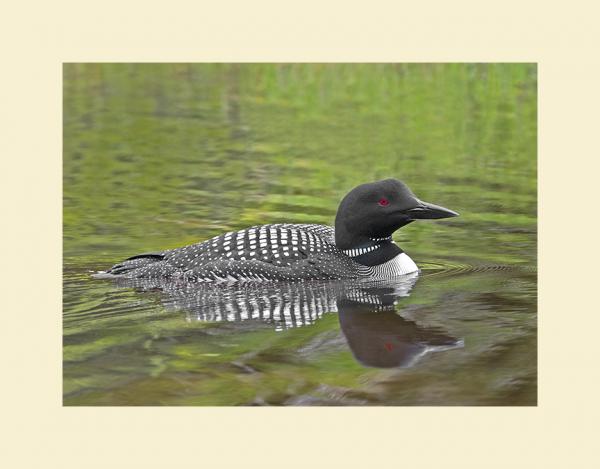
(374, 243)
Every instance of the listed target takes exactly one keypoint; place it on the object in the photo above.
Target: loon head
(375, 210)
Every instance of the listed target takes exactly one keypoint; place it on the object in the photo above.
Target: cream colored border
(36, 37)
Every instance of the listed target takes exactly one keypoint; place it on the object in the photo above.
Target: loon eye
(383, 202)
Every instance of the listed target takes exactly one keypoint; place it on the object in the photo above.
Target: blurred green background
(161, 155)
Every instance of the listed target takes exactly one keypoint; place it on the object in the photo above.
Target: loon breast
(402, 264)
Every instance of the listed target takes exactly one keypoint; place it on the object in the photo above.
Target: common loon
(360, 245)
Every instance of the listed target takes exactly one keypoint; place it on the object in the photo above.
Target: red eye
(383, 202)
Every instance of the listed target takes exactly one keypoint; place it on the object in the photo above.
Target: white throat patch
(402, 264)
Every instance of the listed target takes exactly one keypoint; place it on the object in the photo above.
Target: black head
(377, 209)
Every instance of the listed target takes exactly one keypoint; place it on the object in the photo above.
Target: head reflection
(376, 334)
(379, 337)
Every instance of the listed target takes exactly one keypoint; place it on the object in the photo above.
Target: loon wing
(266, 252)
(319, 267)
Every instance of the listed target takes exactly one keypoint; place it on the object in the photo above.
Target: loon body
(360, 245)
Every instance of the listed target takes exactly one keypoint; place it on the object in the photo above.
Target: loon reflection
(384, 339)
(376, 334)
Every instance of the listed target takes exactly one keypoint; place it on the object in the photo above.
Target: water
(159, 156)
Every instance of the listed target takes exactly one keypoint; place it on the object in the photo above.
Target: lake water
(160, 156)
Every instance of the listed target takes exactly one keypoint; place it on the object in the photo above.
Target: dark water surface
(159, 156)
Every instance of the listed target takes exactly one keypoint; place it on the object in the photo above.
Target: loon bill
(360, 245)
